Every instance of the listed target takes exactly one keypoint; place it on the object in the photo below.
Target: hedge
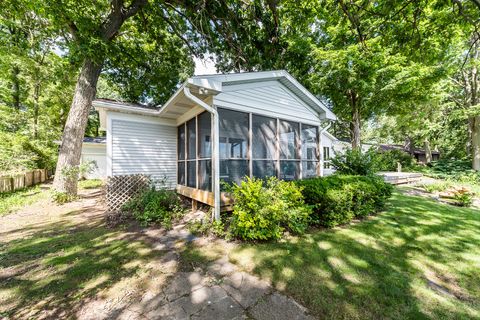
(337, 199)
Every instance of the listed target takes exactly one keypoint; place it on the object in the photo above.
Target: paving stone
(222, 267)
(279, 307)
(225, 309)
(183, 284)
(170, 311)
(245, 289)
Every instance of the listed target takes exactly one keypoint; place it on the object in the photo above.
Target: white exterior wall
(269, 98)
(96, 152)
(142, 144)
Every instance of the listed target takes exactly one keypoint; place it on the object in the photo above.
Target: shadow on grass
(418, 260)
(58, 267)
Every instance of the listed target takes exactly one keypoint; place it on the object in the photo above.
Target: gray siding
(270, 98)
(144, 148)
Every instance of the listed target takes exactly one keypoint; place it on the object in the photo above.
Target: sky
(204, 66)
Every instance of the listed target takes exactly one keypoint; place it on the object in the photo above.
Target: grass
(90, 184)
(418, 260)
(12, 201)
(63, 265)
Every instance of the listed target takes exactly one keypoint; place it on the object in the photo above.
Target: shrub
(388, 160)
(337, 199)
(436, 187)
(263, 209)
(155, 206)
(206, 227)
(463, 198)
(356, 162)
(63, 197)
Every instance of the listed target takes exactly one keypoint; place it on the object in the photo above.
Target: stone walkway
(219, 292)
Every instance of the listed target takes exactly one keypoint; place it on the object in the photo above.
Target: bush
(155, 206)
(463, 198)
(63, 197)
(388, 160)
(263, 209)
(356, 162)
(337, 199)
(436, 187)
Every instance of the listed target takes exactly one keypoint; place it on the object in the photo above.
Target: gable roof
(209, 85)
(217, 81)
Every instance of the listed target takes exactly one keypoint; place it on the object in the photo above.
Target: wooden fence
(22, 180)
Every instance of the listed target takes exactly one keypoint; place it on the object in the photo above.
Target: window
(204, 135)
(309, 151)
(326, 157)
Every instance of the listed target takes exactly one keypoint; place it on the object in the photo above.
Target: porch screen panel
(288, 133)
(191, 139)
(181, 142)
(205, 175)
(191, 174)
(264, 146)
(181, 173)
(204, 135)
(233, 145)
(264, 168)
(309, 150)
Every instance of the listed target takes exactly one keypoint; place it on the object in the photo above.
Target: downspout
(322, 131)
(215, 149)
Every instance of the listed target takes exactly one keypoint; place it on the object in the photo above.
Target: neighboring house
(219, 128)
(95, 150)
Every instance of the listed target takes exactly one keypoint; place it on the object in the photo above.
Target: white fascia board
(119, 107)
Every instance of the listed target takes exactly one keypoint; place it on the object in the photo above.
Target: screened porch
(249, 145)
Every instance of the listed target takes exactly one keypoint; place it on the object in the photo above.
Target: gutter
(215, 148)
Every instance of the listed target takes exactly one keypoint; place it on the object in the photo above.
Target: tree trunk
(355, 128)
(66, 173)
(16, 87)
(36, 106)
(428, 151)
(476, 143)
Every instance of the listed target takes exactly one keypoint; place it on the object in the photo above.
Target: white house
(220, 128)
(95, 150)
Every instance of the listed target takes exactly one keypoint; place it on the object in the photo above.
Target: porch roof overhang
(206, 86)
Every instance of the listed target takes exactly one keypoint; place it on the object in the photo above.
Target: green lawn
(12, 201)
(418, 260)
(63, 265)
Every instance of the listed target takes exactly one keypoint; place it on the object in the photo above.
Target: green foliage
(436, 187)
(264, 209)
(161, 206)
(90, 184)
(63, 197)
(463, 198)
(388, 160)
(453, 169)
(337, 199)
(356, 162)
(206, 227)
(11, 201)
